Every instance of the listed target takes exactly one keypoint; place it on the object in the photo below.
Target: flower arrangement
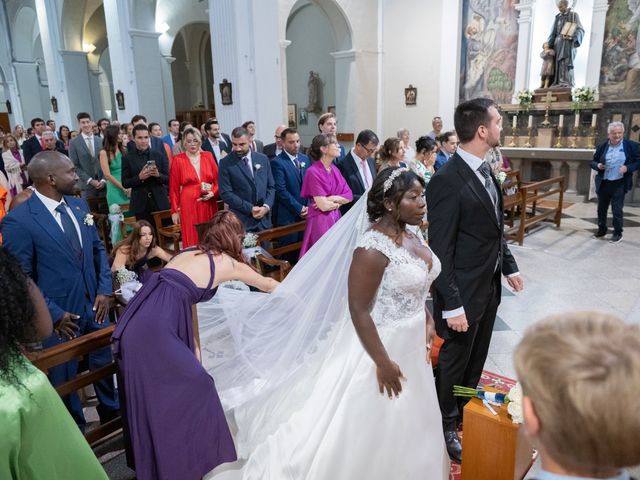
(124, 276)
(525, 99)
(582, 95)
(501, 177)
(513, 399)
(88, 220)
(250, 240)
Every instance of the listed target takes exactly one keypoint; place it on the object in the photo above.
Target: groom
(465, 232)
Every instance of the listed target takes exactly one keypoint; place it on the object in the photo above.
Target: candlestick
(529, 129)
(514, 124)
(592, 136)
(577, 122)
(530, 121)
(574, 139)
(593, 120)
(561, 123)
(559, 141)
(514, 135)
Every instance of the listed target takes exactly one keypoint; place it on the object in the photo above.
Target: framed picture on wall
(331, 109)
(304, 117)
(410, 95)
(292, 115)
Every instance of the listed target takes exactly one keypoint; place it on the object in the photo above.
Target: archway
(317, 29)
(192, 70)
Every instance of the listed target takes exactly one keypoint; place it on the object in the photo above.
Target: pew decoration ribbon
(513, 399)
(115, 218)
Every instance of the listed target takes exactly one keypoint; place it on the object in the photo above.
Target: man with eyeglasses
(359, 167)
(274, 149)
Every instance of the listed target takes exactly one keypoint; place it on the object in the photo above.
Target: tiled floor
(565, 269)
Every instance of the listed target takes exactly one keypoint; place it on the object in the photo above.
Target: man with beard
(465, 232)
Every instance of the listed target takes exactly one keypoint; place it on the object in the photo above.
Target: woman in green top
(111, 164)
(425, 158)
(39, 438)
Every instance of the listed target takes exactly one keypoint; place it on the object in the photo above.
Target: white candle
(593, 119)
(577, 122)
(515, 121)
(530, 121)
(561, 124)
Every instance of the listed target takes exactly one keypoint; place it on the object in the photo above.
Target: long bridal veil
(264, 350)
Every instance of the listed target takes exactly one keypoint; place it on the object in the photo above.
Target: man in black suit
(146, 173)
(466, 233)
(274, 149)
(34, 144)
(358, 167)
(213, 143)
(246, 183)
(155, 144)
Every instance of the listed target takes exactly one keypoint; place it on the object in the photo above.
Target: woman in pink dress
(326, 189)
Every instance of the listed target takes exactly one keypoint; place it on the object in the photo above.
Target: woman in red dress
(193, 187)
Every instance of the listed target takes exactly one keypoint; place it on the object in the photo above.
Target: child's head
(580, 375)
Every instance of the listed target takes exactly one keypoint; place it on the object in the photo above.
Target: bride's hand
(389, 377)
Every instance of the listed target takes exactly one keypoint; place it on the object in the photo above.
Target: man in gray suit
(84, 152)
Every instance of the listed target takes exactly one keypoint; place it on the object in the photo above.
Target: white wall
(312, 41)
(412, 55)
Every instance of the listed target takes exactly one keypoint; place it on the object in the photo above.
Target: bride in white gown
(315, 398)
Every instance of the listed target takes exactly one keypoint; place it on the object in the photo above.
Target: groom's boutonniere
(303, 164)
(258, 166)
(88, 220)
(501, 177)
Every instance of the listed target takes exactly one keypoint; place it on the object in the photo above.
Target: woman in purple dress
(326, 189)
(173, 416)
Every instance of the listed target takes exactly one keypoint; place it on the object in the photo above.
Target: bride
(311, 396)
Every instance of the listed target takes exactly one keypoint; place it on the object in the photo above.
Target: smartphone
(151, 164)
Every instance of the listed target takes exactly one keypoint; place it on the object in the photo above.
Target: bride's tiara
(395, 174)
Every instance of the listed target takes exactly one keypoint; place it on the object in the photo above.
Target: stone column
(523, 65)
(75, 69)
(148, 75)
(572, 181)
(345, 103)
(29, 88)
(556, 167)
(247, 52)
(596, 42)
(167, 84)
(450, 65)
(47, 12)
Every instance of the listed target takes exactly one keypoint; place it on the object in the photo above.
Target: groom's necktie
(485, 171)
(69, 229)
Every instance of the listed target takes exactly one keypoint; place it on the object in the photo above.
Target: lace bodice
(405, 283)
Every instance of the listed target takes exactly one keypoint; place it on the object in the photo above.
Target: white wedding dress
(343, 428)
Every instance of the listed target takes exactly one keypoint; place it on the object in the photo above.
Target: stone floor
(564, 270)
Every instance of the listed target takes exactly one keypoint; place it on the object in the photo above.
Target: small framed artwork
(331, 109)
(226, 92)
(292, 115)
(303, 119)
(410, 95)
(616, 117)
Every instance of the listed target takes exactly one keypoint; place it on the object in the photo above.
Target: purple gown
(173, 417)
(320, 183)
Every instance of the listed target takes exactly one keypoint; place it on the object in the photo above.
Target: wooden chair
(170, 233)
(523, 204)
(77, 348)
(100, 210)
(127, 224)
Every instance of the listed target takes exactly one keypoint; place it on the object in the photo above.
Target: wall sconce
(88, 47)
(8, 104)
(54, 104)
(120, 99)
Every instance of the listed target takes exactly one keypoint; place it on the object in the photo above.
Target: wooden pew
(527, 196)
(270, 237)
(74, 349)
(167, 233)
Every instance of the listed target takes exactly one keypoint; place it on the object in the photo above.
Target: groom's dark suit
(69, 283)
(466, 234)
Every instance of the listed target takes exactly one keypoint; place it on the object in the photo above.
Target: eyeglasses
(368, 150)
(192, 142)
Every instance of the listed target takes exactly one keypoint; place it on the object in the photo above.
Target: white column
(450, 64)
(47, 12)
(75, 69)
(284, 90)
(29, 87)
(121, 54)
(247, 52)
(167, 84)
(148, 75)
(525, 34)
(596, 42)
(11, 91)
(345, 103)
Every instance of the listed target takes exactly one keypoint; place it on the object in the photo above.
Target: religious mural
(489, 49)
(620, 70)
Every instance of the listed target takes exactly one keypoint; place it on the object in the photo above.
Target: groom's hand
(516, 282)
(458, 323)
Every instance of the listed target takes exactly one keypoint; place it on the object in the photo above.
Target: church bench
(167, 233)
(527, 196)
(75, 349)
(269, 264)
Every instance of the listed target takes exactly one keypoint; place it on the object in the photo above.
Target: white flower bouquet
(129, 284)
(582, 95)
(525, 99)
(513, 399)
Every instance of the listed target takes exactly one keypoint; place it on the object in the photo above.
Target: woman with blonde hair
(409, 152)
(20, 135)
(14, 165)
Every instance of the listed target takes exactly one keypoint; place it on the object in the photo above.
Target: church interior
(383, 65)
